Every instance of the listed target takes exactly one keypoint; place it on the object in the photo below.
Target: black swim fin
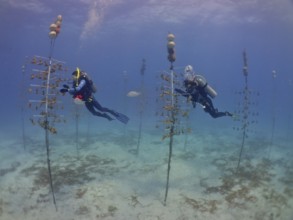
(121, 117)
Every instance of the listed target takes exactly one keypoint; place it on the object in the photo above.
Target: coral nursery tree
(45, 75)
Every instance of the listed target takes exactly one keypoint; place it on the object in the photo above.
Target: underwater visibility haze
(157, 155)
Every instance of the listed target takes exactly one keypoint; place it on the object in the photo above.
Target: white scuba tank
(207, 88)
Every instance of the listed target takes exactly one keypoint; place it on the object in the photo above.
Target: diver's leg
(215, 113)
(209, 108)
(119, 116)
(90, 107)
(98, 106)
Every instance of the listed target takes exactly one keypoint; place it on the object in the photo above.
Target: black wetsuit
(197, 94)
(83, 90)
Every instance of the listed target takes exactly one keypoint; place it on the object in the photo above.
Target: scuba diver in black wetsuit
(83, 89)
(198, 90)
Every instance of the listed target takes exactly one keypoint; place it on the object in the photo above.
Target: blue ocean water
(95, 169)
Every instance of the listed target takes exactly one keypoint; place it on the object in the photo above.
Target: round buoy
(171, 37)
(58, 23)
(53, 27)
(171, 44)
(52, 34)
(59, 18)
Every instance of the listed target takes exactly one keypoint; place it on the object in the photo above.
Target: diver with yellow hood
(82, 90)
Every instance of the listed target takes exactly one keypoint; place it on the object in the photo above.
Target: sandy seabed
(103, 177)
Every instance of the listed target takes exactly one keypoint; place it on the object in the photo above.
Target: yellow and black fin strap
(78, 75)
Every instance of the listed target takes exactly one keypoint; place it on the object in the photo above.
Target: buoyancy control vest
(87, 90)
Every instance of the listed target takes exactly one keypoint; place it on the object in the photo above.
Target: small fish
(133, 94)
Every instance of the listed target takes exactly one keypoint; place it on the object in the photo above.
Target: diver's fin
(121, 117)
(235, 117)
(227, 113)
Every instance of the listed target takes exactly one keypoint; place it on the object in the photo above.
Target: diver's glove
(64, 89)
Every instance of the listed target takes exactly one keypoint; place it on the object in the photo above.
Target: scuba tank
(207, 88)
(90, 81)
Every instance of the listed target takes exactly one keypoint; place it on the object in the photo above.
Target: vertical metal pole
(47, 130)
(245, 108)
(171, 133)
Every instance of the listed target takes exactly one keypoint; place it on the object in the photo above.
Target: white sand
(108, 181)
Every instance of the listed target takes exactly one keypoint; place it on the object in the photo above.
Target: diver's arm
(189, 96)
(78, 88)
(181, 92)
(194, 95)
